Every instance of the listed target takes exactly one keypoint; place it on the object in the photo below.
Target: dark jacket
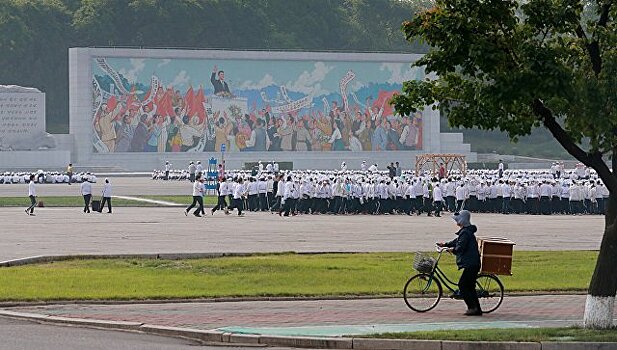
(466, 247)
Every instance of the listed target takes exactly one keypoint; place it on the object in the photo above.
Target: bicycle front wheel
(422, 292)
(490, 292)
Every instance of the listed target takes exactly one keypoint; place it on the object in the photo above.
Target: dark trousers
(290, 205)
(108, 201)
(239, 204)
(192, 177)
(450, 203)
(196, 199)
(437, 205)
(32, 204)
(506, 205)
(545, 205)
(467, 287)
(253, 202)
(263, 202)
(459, 205)
(220, 204)
(166, 174)
(87, 198)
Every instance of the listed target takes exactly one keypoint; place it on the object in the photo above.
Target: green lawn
(77, 201)
(511, 334)
(269, 275)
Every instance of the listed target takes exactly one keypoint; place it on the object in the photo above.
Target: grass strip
(572, 334)
(269, 275)
(77, 201)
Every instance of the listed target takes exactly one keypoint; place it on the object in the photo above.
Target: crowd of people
(394, 191)
(47, 177)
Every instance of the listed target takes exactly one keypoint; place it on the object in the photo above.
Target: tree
(516, 66)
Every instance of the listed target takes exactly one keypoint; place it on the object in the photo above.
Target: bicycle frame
(437, 273)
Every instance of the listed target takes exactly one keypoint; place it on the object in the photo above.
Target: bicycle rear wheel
(490, 292)
(422, 292)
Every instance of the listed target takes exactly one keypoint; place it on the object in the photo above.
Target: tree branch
(606, 8)
(593, 160)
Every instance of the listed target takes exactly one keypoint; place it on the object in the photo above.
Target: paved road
(167, 230)
(23, 335)
(330, 317)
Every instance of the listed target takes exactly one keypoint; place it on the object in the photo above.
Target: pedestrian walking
(198, 190)
(69, 172)
(106, 197)
(86, 192)
(32, 196)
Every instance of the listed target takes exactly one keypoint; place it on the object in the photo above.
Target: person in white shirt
(253, 192)
(262, 192)
(86, 191)
(199, 169)
(437, 199)
(239, 193)
(167, 169)
(198, 190)
(222, 193)
(106, 197)
(32, 196)
(363, 165)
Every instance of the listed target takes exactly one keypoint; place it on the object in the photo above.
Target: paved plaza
(166, 230)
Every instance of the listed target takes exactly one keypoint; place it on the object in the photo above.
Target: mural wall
(198, 105)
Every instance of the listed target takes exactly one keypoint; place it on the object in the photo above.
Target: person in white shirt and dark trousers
(32, 196)
(198, 190)
(86, 192)
(106, 197)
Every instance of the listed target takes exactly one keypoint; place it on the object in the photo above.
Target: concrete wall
(33, 160)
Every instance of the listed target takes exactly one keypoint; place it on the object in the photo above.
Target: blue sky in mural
(249, 78)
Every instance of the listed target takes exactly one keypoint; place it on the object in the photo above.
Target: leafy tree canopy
(516, 65)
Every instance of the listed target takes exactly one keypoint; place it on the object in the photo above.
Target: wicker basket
(423, 263)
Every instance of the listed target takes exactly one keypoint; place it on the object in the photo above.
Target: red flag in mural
(382, 102)
(166, 109)
(189, 97)
(112, 103)
(197, 107)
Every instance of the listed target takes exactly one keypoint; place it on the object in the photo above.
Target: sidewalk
(328, 317)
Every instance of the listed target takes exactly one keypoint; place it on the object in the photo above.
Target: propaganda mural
(198, 105)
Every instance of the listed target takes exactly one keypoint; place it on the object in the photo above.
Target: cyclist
(465, 247)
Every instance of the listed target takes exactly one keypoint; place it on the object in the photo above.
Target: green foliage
(35, 34)
(268, 275)
(514, 66)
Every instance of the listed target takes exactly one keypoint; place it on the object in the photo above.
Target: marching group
(394, 191)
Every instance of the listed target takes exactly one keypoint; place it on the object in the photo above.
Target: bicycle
(424, 290)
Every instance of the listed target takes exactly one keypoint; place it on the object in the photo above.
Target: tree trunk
(601, 294)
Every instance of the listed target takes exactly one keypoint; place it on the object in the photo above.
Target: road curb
(215, 336)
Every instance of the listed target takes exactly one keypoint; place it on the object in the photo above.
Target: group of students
(85, 190)
(381, 192)
(46, 177)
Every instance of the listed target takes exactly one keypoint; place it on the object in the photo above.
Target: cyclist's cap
(462, 218)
